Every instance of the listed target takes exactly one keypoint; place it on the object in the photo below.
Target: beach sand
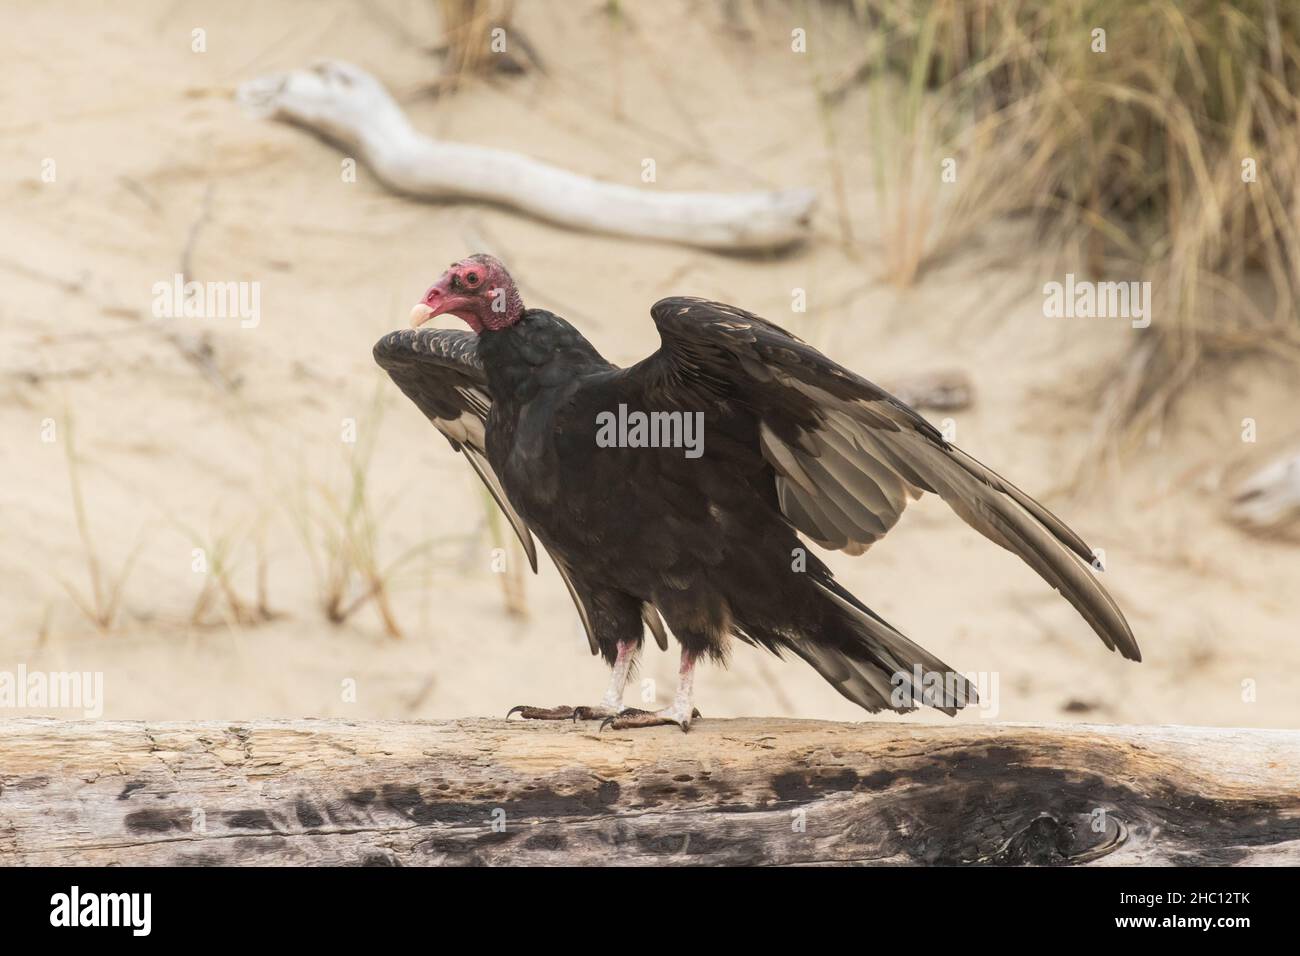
(243, 453)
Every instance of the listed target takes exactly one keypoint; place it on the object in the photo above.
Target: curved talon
(562, 712)
(625, 712)
(631, 718)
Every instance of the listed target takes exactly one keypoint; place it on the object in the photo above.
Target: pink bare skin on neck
(478, 290)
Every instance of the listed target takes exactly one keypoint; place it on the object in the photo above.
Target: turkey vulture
(678, 488)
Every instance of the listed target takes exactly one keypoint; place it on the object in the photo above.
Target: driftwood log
(1268, 500)
(349, 107)
(729, 792)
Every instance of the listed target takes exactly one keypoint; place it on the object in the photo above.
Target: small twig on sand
(197, 349)
(187, 252)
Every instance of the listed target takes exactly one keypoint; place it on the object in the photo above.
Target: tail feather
(870, 663)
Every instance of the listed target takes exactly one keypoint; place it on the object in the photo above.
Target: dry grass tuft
(340, 529)
(220, 594)
(514, 593)
(467, 27)
(1137, 154)
(104, 602)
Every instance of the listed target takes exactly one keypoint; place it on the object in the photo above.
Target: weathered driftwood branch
(350, 107)
(1268, 501)
(730, 791)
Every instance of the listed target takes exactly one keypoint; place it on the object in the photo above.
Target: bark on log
(349, 107)
(752, 791)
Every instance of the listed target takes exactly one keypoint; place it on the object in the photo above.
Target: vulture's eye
(472, 278)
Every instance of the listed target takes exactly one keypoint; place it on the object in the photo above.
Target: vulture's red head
(477, 290)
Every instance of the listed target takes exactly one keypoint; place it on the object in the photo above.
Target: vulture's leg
(612, 702)
(610, 705)
(680, 713)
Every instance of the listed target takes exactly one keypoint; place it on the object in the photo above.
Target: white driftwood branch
(1269, 500)
(351, 108)
(751, 791)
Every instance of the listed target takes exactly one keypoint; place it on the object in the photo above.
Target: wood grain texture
(752, 791)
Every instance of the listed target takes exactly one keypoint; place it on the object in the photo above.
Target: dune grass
(514, 595)
(219, 595)
(340, 527)
(467, 27)
(102, 604)
(1141, 156)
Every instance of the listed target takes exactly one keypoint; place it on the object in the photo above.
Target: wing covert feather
(846, 456)
(439, 370)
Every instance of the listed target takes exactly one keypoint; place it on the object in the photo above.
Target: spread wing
(846, 456)
(440, 370)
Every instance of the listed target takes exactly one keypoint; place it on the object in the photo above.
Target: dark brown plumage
(792, 443)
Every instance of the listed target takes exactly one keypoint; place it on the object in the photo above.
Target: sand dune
(199, 433)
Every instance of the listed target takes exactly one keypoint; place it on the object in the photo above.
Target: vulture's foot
(630, 718)
(562, 712)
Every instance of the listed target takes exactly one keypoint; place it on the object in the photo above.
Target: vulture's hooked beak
(439, 300)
